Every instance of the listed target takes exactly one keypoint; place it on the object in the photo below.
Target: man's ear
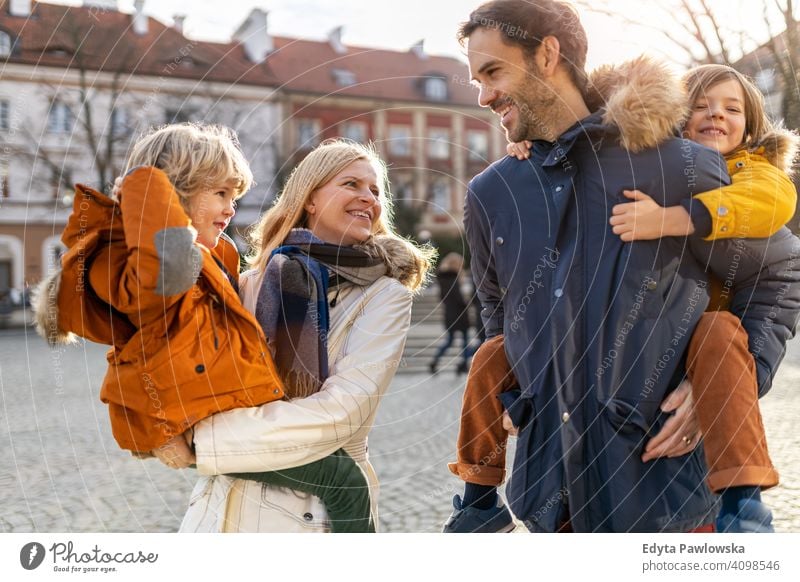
(548, 55)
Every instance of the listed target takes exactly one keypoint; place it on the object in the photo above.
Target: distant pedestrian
(456, 314)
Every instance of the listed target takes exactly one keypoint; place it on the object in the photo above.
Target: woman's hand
(176, 453)
(681, 433)
(520, 150)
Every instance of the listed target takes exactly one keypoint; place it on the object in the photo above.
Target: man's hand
(508, 425)
(519, 150)
(681, 433)
(176, 453)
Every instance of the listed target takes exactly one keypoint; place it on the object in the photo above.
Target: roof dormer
(254, 36)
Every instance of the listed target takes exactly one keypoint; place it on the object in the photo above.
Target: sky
(398, 24)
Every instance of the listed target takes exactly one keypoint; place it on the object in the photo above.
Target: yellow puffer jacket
(761, 197)
(184, 347)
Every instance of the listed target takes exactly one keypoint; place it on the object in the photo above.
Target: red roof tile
(76, 36)
(52, 34)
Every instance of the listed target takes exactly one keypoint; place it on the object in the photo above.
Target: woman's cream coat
(367, 334)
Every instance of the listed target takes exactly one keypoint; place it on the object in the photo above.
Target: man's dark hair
(527, 22)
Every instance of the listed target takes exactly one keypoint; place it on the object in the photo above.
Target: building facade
(79, 83)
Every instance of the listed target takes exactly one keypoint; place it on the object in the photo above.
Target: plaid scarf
(292, 305)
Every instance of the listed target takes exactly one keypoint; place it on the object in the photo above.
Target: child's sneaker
(753, 517)
(473, 520)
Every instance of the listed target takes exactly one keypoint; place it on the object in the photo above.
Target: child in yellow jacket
(151, 272)
(727, 114)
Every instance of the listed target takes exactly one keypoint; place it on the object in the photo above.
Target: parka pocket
(627, 417)
(185, 360)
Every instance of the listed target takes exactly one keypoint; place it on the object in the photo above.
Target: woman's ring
(687, 440)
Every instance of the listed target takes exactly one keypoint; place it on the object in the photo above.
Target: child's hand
(520, 149)
(176, 453)
(642, 219)
(116, 188)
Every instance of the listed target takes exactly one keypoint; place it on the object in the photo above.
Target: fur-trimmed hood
(780, 147)
(643, 98)
(403, 261)
(647, 102)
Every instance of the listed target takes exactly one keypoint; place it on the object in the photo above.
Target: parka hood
(643, 98)
(647, 103)
(780, 148)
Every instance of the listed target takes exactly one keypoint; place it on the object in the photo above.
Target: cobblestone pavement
(60, 469)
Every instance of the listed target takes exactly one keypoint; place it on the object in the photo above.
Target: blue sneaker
(473, 520)
(753, 517)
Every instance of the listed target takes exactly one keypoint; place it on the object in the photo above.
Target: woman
(336, 208)
(456, 314)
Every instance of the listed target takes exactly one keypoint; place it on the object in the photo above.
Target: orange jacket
(184, 347)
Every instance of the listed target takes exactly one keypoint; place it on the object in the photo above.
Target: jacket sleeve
(163, 260)
(764, 277)
(286, 434)
(482, 267)
(760, 200)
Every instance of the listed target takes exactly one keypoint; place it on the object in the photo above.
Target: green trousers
(337, 480)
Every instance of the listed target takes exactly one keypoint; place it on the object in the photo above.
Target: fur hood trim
(400, 257)
(641, 97)
(780, 147)
(45, 307)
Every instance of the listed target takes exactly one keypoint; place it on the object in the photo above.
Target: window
(403, 188)
(5, 44)
(436, 88)
(60, 119)
(440, 195)
(343, 77)
(177, 116)
(308, 131)
(439, 143)
(120, 121)
(4, 185)
(478, 145)
(399, 140)
(4, 108)
(61, 180)
(355, 131)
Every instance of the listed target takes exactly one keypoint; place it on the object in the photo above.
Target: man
(595, 329)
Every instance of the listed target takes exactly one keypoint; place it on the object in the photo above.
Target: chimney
(419, 50)
(254, 37)
(19, 7)
(141, 23)
(179, 19)
(335, 40)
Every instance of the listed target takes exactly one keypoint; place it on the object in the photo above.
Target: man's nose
(486, 95)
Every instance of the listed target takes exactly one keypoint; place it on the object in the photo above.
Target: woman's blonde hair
(757, 125)
(405, 261)
(194, 156)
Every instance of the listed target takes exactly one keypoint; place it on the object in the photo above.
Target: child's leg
(337, 480)
(725, 389)
(481, 455)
